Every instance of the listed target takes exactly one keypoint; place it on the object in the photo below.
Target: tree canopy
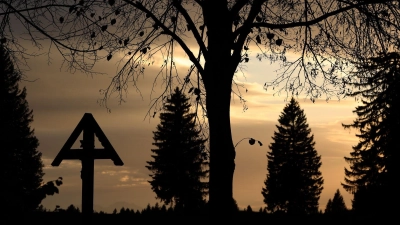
(324, 33)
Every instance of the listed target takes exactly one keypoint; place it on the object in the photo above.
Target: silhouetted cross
(87, 155)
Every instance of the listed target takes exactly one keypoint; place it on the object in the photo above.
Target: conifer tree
(21, 166)
(249, 209)
(336, 206)
(294, 182)
(180, 159)
(372, 173)
(328, 208)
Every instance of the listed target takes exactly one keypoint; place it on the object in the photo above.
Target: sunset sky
(59, 99)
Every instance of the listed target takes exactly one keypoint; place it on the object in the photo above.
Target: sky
(59, 100)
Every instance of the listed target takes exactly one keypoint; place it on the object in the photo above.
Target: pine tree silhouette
(179, 163)
(21, 167)
(336, 206)
(328, 208)
(294, 182)
(373, 171)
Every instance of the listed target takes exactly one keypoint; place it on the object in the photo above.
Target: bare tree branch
(310, 22)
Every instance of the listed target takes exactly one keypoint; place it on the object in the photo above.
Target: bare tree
(218, 37)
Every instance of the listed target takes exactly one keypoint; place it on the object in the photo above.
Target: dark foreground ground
(51, 218)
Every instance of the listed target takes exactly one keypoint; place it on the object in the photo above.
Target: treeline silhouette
(161, 214)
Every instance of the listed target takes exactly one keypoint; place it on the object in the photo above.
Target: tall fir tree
(180, 161)
(294, 182)
(21, 167)
(372, 173)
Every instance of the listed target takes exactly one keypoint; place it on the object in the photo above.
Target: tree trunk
(222, 152)
(218, 73)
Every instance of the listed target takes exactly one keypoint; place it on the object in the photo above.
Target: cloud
(132, 181)
(114, 172)
(124, 178)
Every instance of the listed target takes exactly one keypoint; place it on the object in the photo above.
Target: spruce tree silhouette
(21, 167)
(373, 172)
(180, 159)
(328, 207)
(294, 182)
(336, 206)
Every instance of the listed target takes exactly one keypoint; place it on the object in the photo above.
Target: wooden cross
(87, 155)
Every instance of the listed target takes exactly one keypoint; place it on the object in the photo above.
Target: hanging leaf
(279, 42)
(126, 42)
(117, 12)
(104, 28)
(196, 91)
(61, 19)
(144, 50)
(246, 59)
(111, 2)
(71, 9)
(141, 33)
(113, 21)
(92, 15)
(252, 141)
(259, 142)
(93, 35)
(190, 90)
(187, 79)
(258, 39)
(109, 57)
(59, 182)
